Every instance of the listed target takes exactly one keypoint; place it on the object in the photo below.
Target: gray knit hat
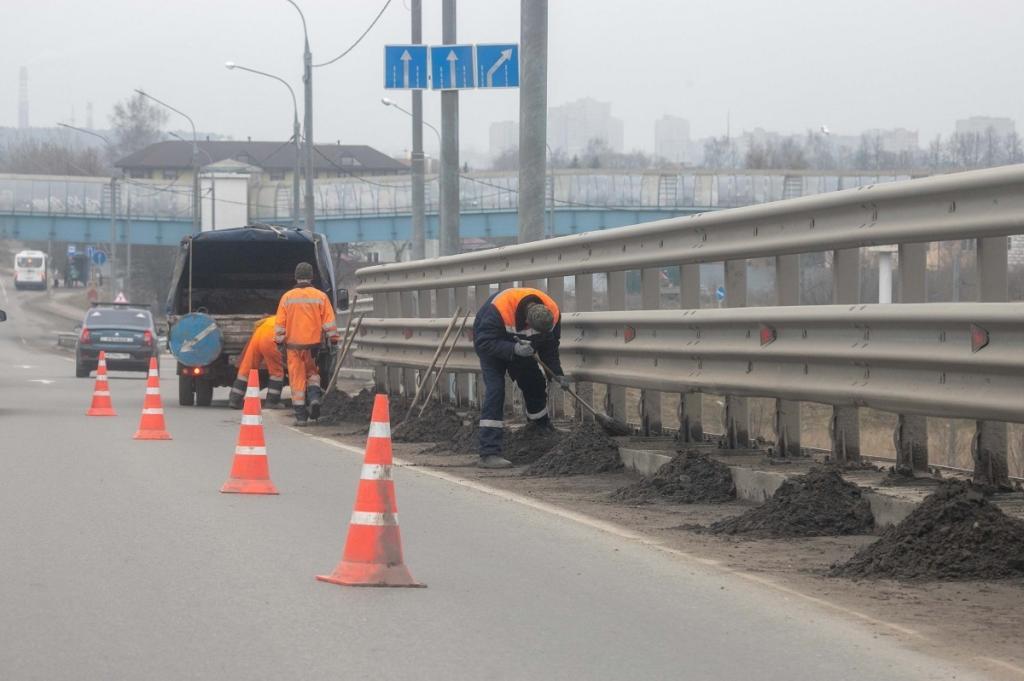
(303, 272)
(540, 318)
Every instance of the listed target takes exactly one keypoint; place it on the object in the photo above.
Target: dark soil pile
(528, 444)
(691, 477)
(954, 534)
(585, 450)
(465, 440)
(818, 504)
(438, 423)
(340, 407)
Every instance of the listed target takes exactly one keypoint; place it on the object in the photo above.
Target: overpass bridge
(77, 209)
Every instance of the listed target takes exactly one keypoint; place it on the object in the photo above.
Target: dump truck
(225, 282)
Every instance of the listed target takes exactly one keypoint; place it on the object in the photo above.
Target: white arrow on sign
(451, 67)
(505, 56)
(191, 342)
(406, 58)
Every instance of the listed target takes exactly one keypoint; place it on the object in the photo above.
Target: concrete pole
(419, 203)
(297, 172)
(450, 241)
(533, 41)
(307, 79)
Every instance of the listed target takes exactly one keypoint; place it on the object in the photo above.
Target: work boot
(301, 416)
(543, 424)
(493, 461)
(314, 394)
(234, 400)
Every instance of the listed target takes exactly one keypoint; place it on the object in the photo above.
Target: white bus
(30, 270)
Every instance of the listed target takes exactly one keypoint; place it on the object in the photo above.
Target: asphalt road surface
(120, 560)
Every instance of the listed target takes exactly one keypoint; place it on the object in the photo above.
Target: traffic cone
(101, 404)
(249, 472)
(151, 426)
(373, 549)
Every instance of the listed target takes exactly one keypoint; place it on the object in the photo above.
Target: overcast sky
(785, 66)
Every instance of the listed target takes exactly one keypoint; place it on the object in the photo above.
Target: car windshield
(132, 319)
(30, 261)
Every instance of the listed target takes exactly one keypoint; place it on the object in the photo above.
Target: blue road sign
(196, 340)
(452, 67)
(497, 65)
(99, 257)
(720, 293)
(71, 249)
(405, 67)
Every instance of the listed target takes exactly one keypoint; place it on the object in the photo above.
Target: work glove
(523, 348)
(564, 382)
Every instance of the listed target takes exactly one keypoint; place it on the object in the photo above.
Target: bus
(30, 270)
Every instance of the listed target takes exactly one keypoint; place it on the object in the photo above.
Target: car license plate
(118, 355)
(116, 339)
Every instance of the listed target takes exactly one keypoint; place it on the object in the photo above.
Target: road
(120, 560)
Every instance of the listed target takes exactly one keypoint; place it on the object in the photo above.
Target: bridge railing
(913, 358)
(91, 197)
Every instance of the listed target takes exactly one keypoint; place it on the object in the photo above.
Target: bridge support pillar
(787, 412)
(912, 431)
(989, 447)
(845, 428)
(737, 409)
(691, 405)
(584, 303)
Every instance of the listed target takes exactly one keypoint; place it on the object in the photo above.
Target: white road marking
(24, 366)
(4, 289)
(44, 381)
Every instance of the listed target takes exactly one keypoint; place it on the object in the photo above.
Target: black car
(124, 332)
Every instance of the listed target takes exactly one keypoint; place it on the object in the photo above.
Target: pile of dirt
(585, 450)
(956, 533)
(465, 440)
(438, 423)
(528, 444)
(691, 477)
(340, 407)
(818, 504)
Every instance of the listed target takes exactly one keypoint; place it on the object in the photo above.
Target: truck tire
(186, 391)
(204, 392)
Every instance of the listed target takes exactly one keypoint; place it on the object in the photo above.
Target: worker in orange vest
(260, 351)
(305, 316)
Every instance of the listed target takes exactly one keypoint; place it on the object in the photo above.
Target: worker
(511, 328)
(260, 351)
(305, 316)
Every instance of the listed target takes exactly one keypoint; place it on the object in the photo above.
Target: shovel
(610, 425)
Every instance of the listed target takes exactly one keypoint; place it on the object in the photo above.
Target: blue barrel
(195, 340)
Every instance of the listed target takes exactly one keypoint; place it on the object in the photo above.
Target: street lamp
(113, 210)
(196, 206)
(295, 134)
(418, 179)
(307, 80)
(387, 102)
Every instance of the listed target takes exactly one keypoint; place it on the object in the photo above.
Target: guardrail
(913, 358)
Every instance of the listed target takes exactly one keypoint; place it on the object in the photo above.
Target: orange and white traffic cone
(250, 473)
(101, 404)
(151, 426)
(373, 549)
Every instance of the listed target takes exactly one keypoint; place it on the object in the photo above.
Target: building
(895, 141)
(980, 125)
(504, 135)
(572, 126)
(672, 138)
(172, 160)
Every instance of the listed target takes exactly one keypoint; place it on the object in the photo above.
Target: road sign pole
(532, 118)
(419, 208)
(450, 241)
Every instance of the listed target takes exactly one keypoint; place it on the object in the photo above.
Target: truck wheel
(186, 391)
(204, 392)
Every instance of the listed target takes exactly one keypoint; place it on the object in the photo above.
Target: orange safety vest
(507, 303)
(304, 315)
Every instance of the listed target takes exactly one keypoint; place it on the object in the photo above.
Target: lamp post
(196, 206)
(113, 210)
(296, 136)
(307, 80)
(419, 208)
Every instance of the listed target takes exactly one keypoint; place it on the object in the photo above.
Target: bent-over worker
(305, 316)
(261, 350)
(509, 329)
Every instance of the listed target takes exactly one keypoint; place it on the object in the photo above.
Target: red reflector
(407, 332)
(147, 337)
(629, 333)
(768, 335)
(85, 336)
(979, 338)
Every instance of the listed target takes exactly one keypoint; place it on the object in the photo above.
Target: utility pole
(450, 241)
(419, 203)
(533, 95)
(307, 79)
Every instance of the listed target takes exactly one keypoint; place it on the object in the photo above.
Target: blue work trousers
(526, 374)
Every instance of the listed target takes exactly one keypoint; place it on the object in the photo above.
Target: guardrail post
(787, 412)
(556, 404)
(461, 379)
(482, 292)
(691, 405)
(408, 304)
(615, 397)
(737, 409)
(380, 373)
(911, 437)
(650, 400)
(584, 284)
(424, 310)
(443, 309)
(394, 373)
(845, 420)
(990, 443)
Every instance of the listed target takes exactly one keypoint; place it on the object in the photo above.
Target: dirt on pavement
(340, 407)
(955, 534)
(818, 504)
(690, 477)
(528, 444)
(438, 423)
(585, 450)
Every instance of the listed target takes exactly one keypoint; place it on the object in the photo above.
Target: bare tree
(136, 123)
(32, 157)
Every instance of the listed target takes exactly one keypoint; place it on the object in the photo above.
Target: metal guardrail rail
(913, 358)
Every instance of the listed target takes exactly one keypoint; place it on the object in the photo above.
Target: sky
(786, 66)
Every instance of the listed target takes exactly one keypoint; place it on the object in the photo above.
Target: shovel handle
(583, 403)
